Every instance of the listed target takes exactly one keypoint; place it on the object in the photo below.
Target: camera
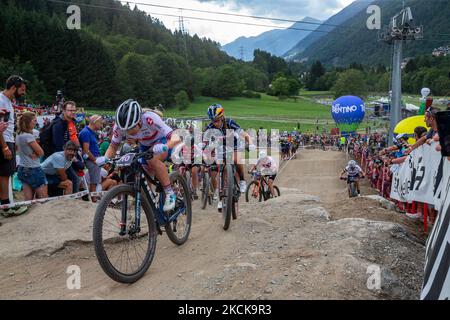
(4, 116)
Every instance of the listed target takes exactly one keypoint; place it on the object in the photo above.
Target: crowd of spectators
(380, 162)
(52, 160)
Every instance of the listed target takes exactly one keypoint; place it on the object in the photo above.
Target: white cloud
(227, 32)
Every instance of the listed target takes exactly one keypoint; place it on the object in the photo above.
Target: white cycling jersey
(267, 166)
(353, 172)
(153, 129)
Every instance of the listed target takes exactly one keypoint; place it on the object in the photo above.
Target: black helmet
(128, 114)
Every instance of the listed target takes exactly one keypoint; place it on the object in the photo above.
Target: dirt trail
(299, 246)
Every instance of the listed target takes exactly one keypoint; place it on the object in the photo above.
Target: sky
(227, 32)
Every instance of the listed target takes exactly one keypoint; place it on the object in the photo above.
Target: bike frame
(156, 205)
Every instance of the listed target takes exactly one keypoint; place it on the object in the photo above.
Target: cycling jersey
(153, 130)
(353, 172)
(267, 166)
(231, 125)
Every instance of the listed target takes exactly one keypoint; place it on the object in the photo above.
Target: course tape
(30, 202)
(84, 193)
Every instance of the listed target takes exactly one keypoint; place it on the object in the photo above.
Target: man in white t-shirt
(15, 88)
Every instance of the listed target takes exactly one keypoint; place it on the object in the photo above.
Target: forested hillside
(119, 52)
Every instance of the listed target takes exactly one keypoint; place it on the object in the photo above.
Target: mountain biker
(353, 171)
(216, 114)
(152, 133)
(267, 166)
(192, 166)
(284, 144)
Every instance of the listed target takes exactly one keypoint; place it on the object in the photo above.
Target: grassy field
(267, 107)
(268, 112)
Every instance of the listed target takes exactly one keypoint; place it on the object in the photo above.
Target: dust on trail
(299, 246)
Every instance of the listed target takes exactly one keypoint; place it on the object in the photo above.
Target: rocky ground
(311, 243)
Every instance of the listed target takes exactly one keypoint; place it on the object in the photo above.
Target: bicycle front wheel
(124, 246)
(205, 189)
(228, 197)
(253, 192)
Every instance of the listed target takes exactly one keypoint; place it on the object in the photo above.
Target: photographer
(58, 106)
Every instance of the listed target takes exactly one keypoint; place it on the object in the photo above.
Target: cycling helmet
(215, 111)
(401, 136)
(128, 114)
(352, 163)
(262, 154)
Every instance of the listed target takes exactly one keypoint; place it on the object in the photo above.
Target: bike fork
(137, 206)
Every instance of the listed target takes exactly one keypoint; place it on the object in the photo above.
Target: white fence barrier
(425, 177)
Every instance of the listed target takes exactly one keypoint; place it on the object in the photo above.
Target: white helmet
(262, 154)
(352, 163)
(128, 114)
(402, 136)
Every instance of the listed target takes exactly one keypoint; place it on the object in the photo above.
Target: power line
(194, 18)
(236, 14)
(224, 21)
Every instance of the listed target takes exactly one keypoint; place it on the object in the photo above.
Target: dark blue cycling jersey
(231, 124)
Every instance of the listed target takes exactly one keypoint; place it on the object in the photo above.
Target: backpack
(46, 138)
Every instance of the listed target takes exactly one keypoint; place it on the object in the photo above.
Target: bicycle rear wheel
(178, 230)
(277, 191)
(187, 176)
(116, 235)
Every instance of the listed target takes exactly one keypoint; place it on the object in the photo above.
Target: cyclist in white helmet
(152, 133)
(267, 166)
(353, 170)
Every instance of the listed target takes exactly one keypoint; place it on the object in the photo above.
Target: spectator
(55, 168)
(106, 142)
(30, 172)
(430, 121)
(91, 150)
(15, 88)
(109, 179)
(64, 130)
(419, 132)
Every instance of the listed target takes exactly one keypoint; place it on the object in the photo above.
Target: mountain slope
(276, 42)
(342, 16)
(358, 44)
(119, 52)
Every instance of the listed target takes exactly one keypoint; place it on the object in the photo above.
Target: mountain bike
(229, 191)
(207, 186)
(351, 185)
(125, 237)
(186, 174)
(259, 188)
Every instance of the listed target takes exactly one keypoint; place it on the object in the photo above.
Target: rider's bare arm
(112, 149)
(174, 140)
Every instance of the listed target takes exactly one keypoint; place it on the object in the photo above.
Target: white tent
(411, 107)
